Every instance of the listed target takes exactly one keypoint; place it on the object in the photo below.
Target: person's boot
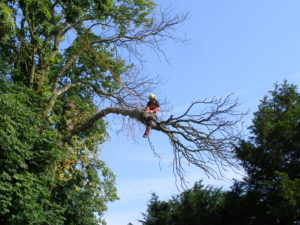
(146, 133)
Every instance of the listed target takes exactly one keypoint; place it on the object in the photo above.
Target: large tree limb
(139, 115)
(55, 91)
(202, 138)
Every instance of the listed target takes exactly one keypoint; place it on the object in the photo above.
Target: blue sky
(235, 46)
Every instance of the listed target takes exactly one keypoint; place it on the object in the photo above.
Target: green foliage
(275, 144)
(198, 205)
(27, 150)
(33, 190)
(45, 24)
(272, 157)
(7, 25)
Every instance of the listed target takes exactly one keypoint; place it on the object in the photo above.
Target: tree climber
(152, 107)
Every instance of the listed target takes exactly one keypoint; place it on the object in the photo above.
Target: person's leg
(148, 128)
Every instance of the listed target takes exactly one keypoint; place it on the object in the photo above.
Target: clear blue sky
(240, 46)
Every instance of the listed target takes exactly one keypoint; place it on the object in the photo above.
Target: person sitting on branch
(152, 107)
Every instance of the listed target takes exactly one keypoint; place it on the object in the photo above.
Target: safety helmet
(152, 96)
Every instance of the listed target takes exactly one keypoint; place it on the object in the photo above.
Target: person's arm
(148, 108)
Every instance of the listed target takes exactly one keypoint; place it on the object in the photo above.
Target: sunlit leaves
(7, 26)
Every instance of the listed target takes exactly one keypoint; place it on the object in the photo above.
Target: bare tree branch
(152, 36)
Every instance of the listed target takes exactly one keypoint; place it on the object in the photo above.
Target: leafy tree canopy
(271, 157)
(198, 205)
